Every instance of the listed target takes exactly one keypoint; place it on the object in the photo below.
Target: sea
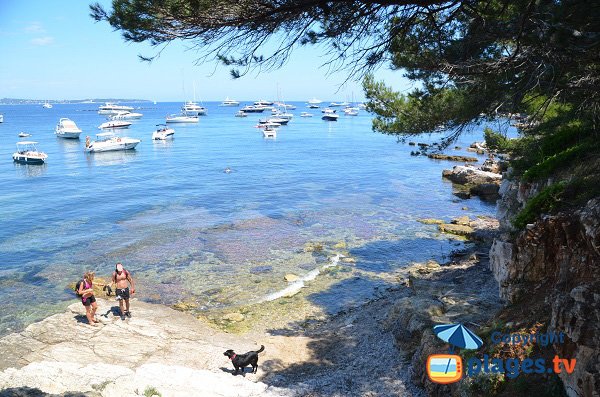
(218, 215)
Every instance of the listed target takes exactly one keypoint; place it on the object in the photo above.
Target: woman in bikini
(86, 291)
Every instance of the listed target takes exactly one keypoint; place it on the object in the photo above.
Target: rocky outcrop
(470, 175)
(464, 159)
(557, 258)
(158, 348)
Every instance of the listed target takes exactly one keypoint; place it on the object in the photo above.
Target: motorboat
(351, 111)
(163, 133)
(268, 125)
(281, 115)
(263, 102)
(125, 115)
(193, 109)
(27, 153)
(314, 101)
(181, 118)
(330, 115)
(253, 109)
(270, 132)
(46, 105)
(1, 118)
(112, 108)
(66, 128)
(277, 120)
(306, 114)
(335, 104)
(241, 113)
(313, 106)
(23, 135)
(230, 102)
(114, 124)
(108, 141)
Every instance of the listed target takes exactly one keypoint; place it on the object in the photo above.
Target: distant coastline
(20, 101)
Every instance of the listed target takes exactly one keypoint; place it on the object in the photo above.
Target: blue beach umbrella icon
(458, 336)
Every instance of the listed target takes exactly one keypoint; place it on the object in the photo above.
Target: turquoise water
(188, 230)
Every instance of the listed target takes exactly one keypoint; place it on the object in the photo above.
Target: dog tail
(261, 349)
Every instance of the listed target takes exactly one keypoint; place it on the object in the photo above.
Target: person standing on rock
(122, 279)
(86, 291)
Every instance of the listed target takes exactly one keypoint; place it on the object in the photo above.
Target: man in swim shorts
(122, 280)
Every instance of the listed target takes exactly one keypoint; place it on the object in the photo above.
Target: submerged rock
(290, 278)
(430, 221)
(459, 230)
(439, 156)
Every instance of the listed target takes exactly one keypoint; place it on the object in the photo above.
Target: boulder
(234, 317)
(487, 191)
(470, 175)
(461, 220)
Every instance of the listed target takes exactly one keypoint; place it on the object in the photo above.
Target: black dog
(240, 361)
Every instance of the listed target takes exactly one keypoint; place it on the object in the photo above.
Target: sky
(55, 50)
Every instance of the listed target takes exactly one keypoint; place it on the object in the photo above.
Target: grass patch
(151, 391)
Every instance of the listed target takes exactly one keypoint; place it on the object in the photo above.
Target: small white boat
(330, 115)
(125, 115)
(181, 118)
(23, 135)
(1, 118)
(66, 128)
(286, 116)
(241, 113)
(314, 101)
(229, 102)
(270, 133)
(27, 153)
(253, 109)
(114, 124)
(268, 125)
(112, 108)
(263, 102)
(108, 141)
(275, 120)
(163, 133)
(351, 111)
(46, 105)
(193, 109)
(306, 114)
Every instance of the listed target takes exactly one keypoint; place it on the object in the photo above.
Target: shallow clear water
(188, 230)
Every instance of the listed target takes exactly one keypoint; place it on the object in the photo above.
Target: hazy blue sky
(55, 50)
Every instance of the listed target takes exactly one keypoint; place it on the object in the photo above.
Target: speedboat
(1, 118)
(23, 135)
(193, 109)
(330, 115)
(253, 109)
(314, 101)
(108, 141)
(66, 128)
(268, 125)
(313, 106)
(276, 120)
(112, 108)
(229, 102)
(46, 105)
(27, 153)
(162, 133)
(241, 113)
(114, 124)
(181, 118)
(125, 115)
(306, 114)
(270, 132)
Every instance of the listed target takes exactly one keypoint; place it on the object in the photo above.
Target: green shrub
(497, 141)
(546, 201)
(151, 391)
